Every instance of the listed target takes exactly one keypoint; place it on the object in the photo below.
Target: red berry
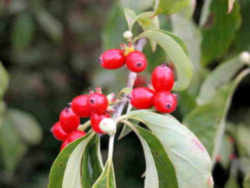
(142, 98)
(95, 121)
(165, 102)
(163, 78)
(80, 106)
(72, 137)
(112, 59)
(58, 132)
(136, 61)
(69, 120)
(98, 103)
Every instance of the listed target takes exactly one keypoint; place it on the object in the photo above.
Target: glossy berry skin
(112, 59)
(69, 120)
(136, 61)
(72, 137)
(142, 98)
(58, 132)
(98, 103)
(80, 106)
(163, 78)
(165, 102)
(95, 121)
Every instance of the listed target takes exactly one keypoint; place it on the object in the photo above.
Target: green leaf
(50, 24)
(159, 169)
(2, 112)
(242, 137)
(247, 181)
(63, 164)
(242, 39)
(138, 5)
(222, 75)
(11, 147)
(92, 165)
(23, 31)
(107, 178)
(4, 80)
(182, 146)
(208, 121)
(130, 16)
(225, 151)
(176, 54)
(232, 183)
(190, 35)
(26, 125)
(169, 6)
(205, 12)
(220, 30)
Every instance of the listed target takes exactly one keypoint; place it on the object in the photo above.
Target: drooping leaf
(242, 137)
(182, 146)
(130, 16)
(226, 149)
(208, 121)
(175, 53)
(222, 75)
(23, 30)
(11, 147)
(4, 80)
(92, 165)
(205, 12)
(114, 28)
(26, 125)
(56, 177)
(107, 178)
(169, 6)
(160, 172)
(219, 31)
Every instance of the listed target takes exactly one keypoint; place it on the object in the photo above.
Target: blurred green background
(51, 49)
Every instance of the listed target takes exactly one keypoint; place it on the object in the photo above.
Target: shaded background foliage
(51, 49)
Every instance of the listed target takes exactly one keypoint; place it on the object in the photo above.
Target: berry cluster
(93, 106)
(160, 97)
(116, 58)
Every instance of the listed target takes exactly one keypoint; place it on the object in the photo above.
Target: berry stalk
(125, 100)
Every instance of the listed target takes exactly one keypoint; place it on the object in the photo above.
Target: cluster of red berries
(93, 105)
(160, 97)
(116, 58)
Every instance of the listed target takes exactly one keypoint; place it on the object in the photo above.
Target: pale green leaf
(159, 169)
(205, 12)
(92, 165)
(176, 54)
(56, 177)
(183, 148)
(72, 173)
(243, 141)
(208, 121)
(220, 30)
(247, 181)
(226, 149)
(107, 178)
(138, 5)
(50, 24)
(4, 80)
(11, 147)
(130, 16)
(222, 75)
(169, 6)
(115, 26)
(26, 125)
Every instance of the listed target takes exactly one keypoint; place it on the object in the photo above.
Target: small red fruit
(142, 98)
(162, 78)
(165, 102)
(95, 121)
(112, 59)
(98, 103)
(72, 137)
(80, 106)
(58, 132)
(69, 120)
(136, 61)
